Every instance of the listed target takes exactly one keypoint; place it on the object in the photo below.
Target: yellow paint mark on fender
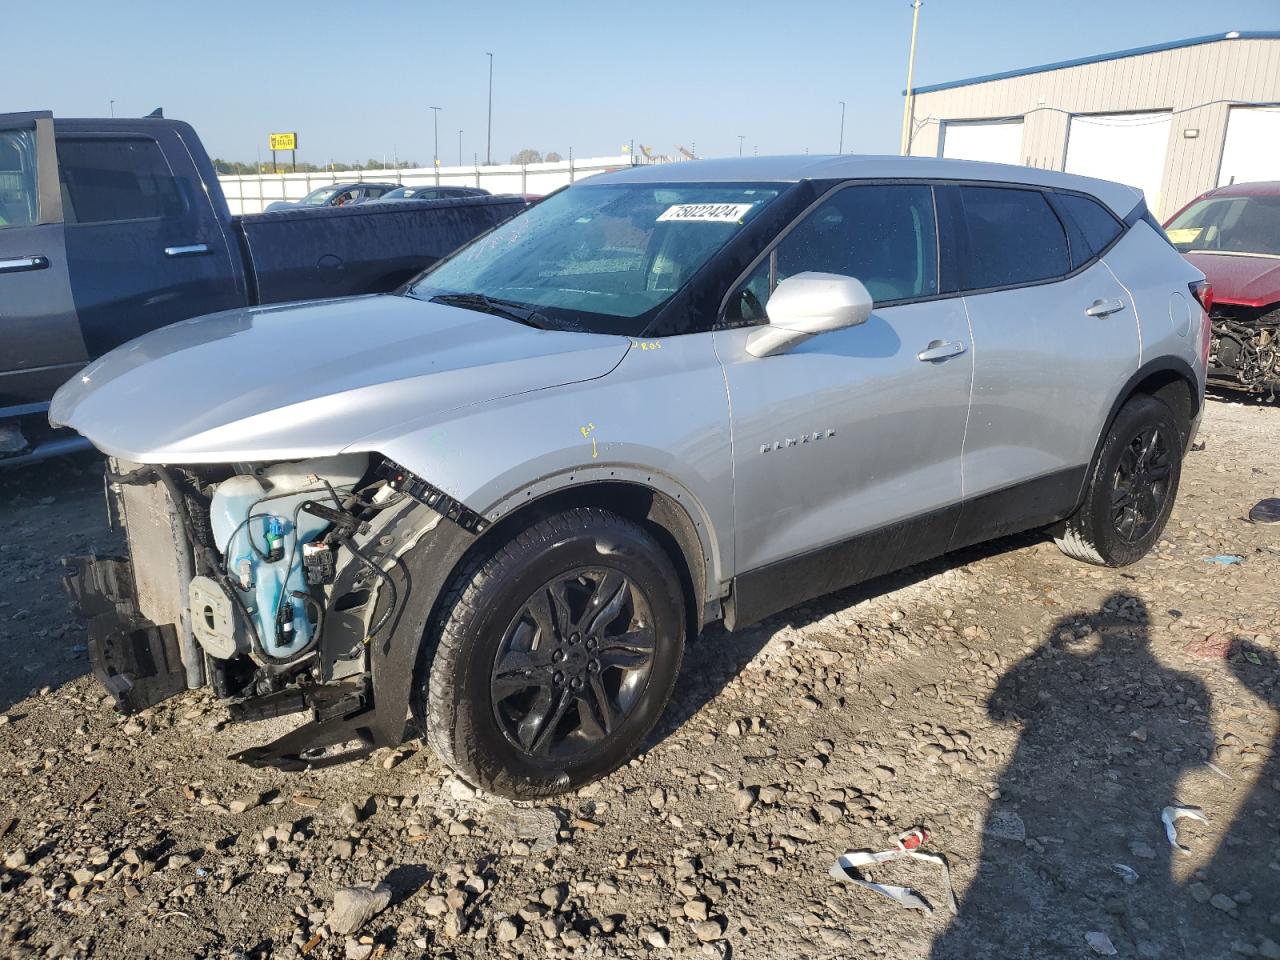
(646, 344)
(586, 431)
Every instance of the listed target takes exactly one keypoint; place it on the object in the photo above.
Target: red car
(1233, 235)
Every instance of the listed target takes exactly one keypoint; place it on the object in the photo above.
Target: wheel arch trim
(1153, 368)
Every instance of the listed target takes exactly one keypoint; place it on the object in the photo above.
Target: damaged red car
(1233, 235)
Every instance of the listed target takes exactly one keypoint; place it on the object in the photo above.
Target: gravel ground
(1033, 713)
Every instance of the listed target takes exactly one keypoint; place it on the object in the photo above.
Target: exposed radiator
(162, 563)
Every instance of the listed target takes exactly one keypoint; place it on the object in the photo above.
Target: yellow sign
(283, 141)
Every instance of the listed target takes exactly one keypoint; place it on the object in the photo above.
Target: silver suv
(502, 500)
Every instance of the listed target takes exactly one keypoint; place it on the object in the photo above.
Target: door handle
(187, 250)
(940, 350)
(19, 264)
(1104, 308)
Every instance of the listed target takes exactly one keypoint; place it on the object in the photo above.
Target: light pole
(113, 107)
(488, 146)
(740, 139)
(459, 148)
(841, 150)
(911, 64)
(435, 160)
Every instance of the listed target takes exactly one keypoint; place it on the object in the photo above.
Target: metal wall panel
(1197, 83)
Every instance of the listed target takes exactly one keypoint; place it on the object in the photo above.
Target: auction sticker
(706, 212)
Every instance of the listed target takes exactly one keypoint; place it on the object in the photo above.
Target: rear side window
(1014, 237)
(108, 180)
(1093, 223)
(884, 236)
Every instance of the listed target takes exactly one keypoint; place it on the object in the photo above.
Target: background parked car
(336, 195)
(111, 228)
(432, 193)
(1233, 235)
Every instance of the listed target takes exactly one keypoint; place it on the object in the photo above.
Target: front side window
(884, 235)
(18, 196)
(107, 180)
(1239, 226)
(1014, 237)
(601, 258)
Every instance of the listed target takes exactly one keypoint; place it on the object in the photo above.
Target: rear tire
(1131, 488)
(556, 655)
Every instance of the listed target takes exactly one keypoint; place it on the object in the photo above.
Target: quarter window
(884, 235)
(1014, 237)
(17, 178)
(108, 180)
(1098, 228)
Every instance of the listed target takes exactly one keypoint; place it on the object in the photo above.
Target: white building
(1174, 119)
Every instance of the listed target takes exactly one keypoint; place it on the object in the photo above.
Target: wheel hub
(573, 663)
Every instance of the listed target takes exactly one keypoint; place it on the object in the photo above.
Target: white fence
(251, 194)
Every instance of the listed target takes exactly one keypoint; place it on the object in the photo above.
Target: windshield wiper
(499, 308)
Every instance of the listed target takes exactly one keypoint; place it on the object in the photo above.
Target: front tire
(1131, 489)
(556, 655)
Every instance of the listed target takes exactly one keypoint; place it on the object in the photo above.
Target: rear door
(42, 343)
(1055, 336)
(145, 244)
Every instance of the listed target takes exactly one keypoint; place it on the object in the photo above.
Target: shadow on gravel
(47, 511)
(1249, 857)
(1224, 395)
(1107, 733)
(714, 659)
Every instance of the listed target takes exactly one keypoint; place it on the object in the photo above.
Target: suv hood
(1252, 281)
(309, 380)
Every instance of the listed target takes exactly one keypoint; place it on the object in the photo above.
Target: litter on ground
(1170, 816)
(848, 866)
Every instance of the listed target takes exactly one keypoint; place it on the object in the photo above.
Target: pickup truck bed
(110, 228)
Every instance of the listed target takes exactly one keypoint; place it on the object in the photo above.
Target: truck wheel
(1131, 489)
(556, 654)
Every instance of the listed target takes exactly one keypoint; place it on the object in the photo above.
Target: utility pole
(488, 147)
(740, 139)
(459, 148)
(841, 150)
(911, 65)
(435, 160)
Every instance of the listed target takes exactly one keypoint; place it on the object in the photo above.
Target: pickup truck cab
(110, 228)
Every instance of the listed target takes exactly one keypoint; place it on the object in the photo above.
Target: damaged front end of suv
(276, 553)
(294, 574)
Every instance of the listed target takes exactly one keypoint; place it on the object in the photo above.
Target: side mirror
(808, 304)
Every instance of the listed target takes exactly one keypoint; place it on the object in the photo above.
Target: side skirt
(760, 593)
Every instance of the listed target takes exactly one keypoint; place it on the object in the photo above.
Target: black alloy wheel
(553, 654)
(1140, 485)
(572, 663)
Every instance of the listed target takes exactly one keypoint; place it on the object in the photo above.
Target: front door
(38, 328)
(847, 448)
(145, 244)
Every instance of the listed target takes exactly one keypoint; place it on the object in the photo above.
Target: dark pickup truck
(111, 228)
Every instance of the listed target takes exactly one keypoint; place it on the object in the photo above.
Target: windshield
(400, 193)
(601, 258)
(318, 197)
(1239, 226)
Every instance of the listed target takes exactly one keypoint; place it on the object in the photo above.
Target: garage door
(995, 141)
(1127, 148)
(1252, 150)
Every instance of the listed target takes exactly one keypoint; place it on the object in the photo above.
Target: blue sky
(356, 79)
